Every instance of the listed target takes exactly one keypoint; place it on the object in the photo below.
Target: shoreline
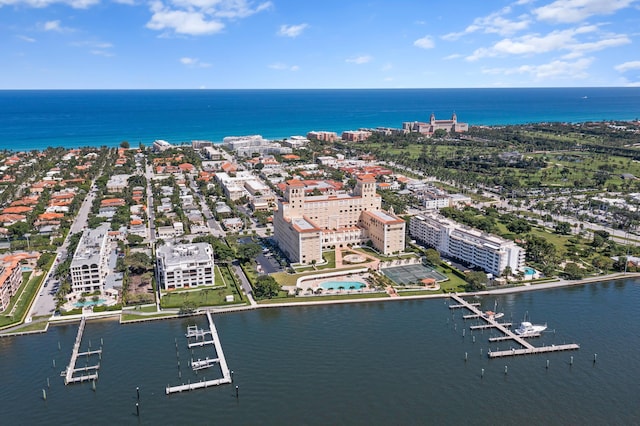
(560, 283)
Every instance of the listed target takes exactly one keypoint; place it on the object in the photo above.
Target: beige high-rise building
(306, 225)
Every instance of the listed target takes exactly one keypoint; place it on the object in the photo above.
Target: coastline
(560, 283)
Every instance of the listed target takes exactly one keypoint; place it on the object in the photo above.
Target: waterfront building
(184, 265)
(305, 225)
(10, 281)
(452, 239)
(160, 145)
(355, 135)
(450, 126)
(323, 136)
(89, 265)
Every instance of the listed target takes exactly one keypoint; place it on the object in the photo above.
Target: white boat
(527, 329)
(493, 315)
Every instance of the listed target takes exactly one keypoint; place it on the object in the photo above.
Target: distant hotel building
(160, 145)
(89, 265)
(184, 266)
(355, 135)
(451, 126)
(489, 252)
(305, 225)
(322, 136)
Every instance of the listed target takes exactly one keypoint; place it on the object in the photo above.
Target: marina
(193, 332)
(527, 348)
(71, 370)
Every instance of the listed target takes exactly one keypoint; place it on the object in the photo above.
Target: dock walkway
(527, 348)
(193, 331)
(68, 374)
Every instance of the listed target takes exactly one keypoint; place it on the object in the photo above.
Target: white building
(89, 265)
(185, 265)
(450, 238)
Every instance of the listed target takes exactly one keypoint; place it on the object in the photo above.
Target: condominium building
(10, 281)
(305, 225)
(89, 265)
(184, 265)
(450, 238)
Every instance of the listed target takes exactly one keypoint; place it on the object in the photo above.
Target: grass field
(21, 301)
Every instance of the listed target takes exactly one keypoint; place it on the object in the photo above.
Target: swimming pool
(346, 285)
(89, 303)
(27, 269)
(529, 271)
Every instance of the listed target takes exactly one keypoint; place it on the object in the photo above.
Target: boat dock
(527, 348)
(69, 373)
(195, 332)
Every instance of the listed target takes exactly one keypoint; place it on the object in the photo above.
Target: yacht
(527, 329)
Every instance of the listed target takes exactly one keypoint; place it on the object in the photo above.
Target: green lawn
(132, 317)
(323, 298)
(22, 300)
(284, 278)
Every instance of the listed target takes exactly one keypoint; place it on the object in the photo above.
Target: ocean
(36, 119)
(382, 363)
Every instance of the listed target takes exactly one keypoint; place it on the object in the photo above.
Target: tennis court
(412, 273)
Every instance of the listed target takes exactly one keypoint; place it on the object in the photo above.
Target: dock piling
(137, 409)
(236, 391)
(571, 360)
(482, 373)
(465, 357)
(138, 392)
(595, 357)
(44, 394)
(547, 364)
(48, 384)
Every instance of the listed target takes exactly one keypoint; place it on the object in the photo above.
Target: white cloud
(568, 40)
(199, 17)
(292, 31)
(579, 10)
(494, 23)
(194, 62)
(387, 67)
(363, 59)
(27, 39)
(552, 70)
(76, 4)
(54, 26)
(279, 66)
(425, 42)
(104, 53)
(452, 56)
(628, 66)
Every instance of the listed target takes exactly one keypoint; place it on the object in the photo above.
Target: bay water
(397, 362)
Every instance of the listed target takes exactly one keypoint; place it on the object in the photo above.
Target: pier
(195, 332)
(527, 348)
(69, 373)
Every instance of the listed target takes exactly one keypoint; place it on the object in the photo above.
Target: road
(45, 303)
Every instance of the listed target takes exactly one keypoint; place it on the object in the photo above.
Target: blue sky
(135, 44)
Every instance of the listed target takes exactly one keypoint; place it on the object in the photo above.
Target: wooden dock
(490, 325)
(193, 331)
(69, 373)
(527, 348)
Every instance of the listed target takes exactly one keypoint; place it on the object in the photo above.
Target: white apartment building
(89, 265)
(184, 265)
(450, 238)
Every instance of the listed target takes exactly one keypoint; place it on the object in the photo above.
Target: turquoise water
(89, 303)
(346, 284)
(529, 271)
(36, 119)
(27, 269)
(393, 363)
